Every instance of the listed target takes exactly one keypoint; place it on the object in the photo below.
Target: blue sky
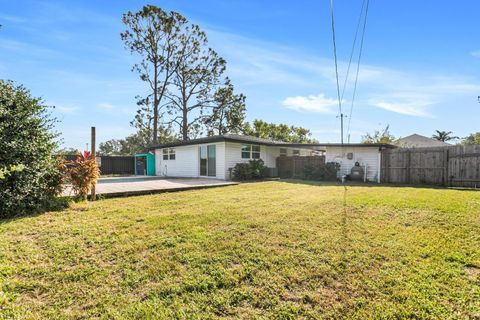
(420, 69)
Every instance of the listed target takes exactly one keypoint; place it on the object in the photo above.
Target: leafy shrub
(253, 170)
(82, 173)
(327, 172)
(30, 177)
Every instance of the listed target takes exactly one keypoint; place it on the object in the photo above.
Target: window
(250, 151)
(296, 152)
(246, 151)
(168, 154)
(255, 152)
(283, 152)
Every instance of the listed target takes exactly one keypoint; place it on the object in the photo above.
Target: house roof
(419, 141)
(325, 145)
(268, 142)
(225, 137)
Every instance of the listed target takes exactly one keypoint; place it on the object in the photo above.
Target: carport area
(128, 186)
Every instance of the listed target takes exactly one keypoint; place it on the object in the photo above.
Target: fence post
(445, 167)
(407, 167)
(293, 166)
(386, 164)
(94, 195)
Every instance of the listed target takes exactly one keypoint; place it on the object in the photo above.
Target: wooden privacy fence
(122, 165)
(117, 165)
(293, 167)
(456, 166)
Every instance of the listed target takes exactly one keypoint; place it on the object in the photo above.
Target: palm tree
(444, 135)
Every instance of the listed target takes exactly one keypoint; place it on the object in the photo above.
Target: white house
(215, 156)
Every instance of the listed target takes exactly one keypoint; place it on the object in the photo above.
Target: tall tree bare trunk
(156, 102)
(185, 125)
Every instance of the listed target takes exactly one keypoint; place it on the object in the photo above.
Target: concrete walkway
(128, 186)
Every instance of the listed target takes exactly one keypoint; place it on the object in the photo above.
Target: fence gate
(464, 166)
(457, 166)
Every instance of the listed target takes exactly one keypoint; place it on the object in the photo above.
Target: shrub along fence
(297, 167)
(456, 166)
(113, 165)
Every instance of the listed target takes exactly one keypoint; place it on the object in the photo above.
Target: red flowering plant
(82, 173)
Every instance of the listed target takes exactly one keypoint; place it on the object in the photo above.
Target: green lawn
(275, 250)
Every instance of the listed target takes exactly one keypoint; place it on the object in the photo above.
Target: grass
(280, 250)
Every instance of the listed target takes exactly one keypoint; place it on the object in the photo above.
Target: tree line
(384, 136)
(188, 92)
(139, 141)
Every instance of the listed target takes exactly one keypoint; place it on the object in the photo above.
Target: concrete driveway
(135, 185)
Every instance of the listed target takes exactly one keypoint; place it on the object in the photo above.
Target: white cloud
(12, 19)
(410, 103)
(476, 54)
(254, 63)
(311, 103)
(66, 109)
(106, 106)
(410, 108)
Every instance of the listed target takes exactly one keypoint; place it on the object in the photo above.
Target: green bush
(327, 172)
(253, 170)
(30, 179)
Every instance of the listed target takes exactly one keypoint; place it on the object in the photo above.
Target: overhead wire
(354, 45)
(358, 65)
(335, 56)
(365, 4)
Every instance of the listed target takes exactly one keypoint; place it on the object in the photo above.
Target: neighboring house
(419, 141)
(215, 156)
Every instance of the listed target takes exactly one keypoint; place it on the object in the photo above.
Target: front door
(208, 162)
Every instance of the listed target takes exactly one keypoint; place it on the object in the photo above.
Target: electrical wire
(358, 66)
(354, 45)
(335, 57)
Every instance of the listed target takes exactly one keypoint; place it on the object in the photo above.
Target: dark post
(408, 166)
(446, 179)
(93, 155)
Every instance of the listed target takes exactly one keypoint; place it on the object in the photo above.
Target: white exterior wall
(233, 155)
(269, 154)
(186, 163)
(369, 156)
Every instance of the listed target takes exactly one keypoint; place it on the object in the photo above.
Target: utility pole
(94, 195)
(341, 116)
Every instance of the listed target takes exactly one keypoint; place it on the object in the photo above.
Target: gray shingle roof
(256, 140)
(419, 141)
(225, 137)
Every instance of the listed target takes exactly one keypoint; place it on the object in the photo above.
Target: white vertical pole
(379, 168)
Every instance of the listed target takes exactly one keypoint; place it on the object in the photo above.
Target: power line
(335, 57)
(340, 97)
(354, 45)
(358, 66)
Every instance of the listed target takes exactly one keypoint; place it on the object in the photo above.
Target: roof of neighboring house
(268, 142)
(419, 141)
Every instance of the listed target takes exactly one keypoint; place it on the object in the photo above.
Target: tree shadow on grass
(353, 184)
(59, 204)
